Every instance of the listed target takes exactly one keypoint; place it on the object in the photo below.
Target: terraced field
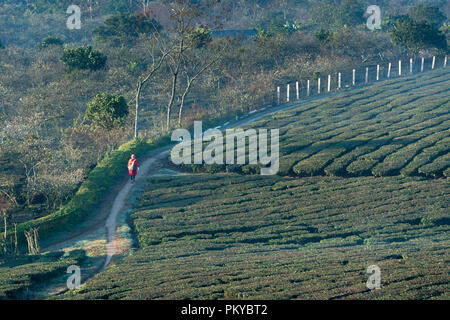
(391, 128)
(231, 236)
(303, 234)
(20, 278)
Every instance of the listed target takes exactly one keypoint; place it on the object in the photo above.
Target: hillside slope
(397, 127)
(247, 236)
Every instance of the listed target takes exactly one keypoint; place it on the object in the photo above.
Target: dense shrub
(415, 36)
(328, 15)
(200, 37)
(427, 13)
(83, 58)
(375, 130)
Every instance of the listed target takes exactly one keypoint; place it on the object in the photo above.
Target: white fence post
(378, 72)
(411, 65)
(399, 67)
(288, 89)
(339, 80)
(422, 65)
(318, 86)
(278, 95)
(297, 90)
(308, 88)
(367, 75)
(434, 62)
(329, 83)
(354, 77)
(445, 62)
(389, 70)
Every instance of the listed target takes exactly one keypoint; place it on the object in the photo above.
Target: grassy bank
(90, 194)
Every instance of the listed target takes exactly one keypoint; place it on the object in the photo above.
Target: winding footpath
(120, 205)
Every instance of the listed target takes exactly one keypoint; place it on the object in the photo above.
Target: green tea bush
(50, 41)
(18, 276)
(376, 130)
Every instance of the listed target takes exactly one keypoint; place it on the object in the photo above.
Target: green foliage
(275, 23)
(21, 274)
(50, 41)
(388, 23)
(125, 28)
(425, 13)
(49, 6)
(291, 26)
(331, 16)
(324, 36)
(83, 58)
(107, 111)
(375, 131)
(284, 28)
(262, 36)
(415, 36)
(200, 37)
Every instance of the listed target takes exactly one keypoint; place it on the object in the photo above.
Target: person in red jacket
(133, 167)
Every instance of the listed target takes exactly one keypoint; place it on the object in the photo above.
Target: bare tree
(155, 46)
(32, 241)
(186, 16)
(192, 70)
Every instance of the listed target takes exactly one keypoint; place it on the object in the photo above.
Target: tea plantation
(398, 127)
(20, 277)
(363, 182)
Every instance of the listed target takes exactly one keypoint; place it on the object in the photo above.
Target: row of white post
(339, 80)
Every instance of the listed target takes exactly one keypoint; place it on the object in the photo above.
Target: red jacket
(133, 171)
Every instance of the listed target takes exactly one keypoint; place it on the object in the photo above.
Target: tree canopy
(124, 27)
(415, 36)
(83, 58)
(107, 111)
